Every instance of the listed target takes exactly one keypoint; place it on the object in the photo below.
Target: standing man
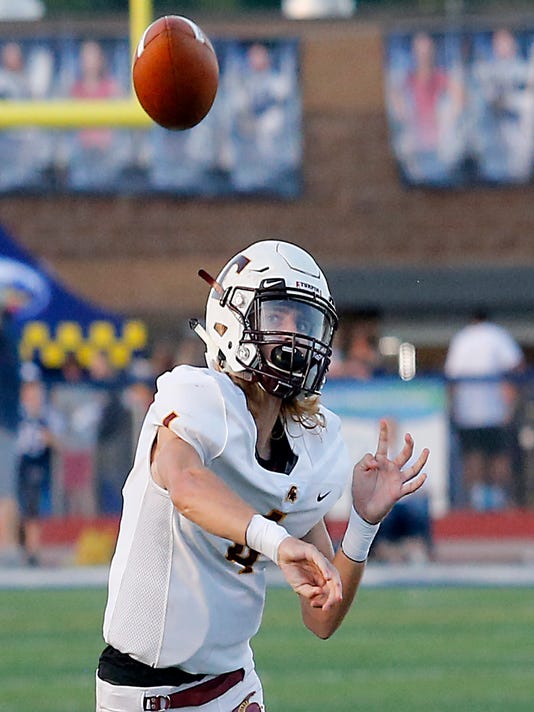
(9, 417)
(236, 465)
(479, 359)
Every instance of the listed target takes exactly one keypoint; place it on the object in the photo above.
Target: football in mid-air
(175, 72)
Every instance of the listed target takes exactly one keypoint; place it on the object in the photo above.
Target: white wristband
(358, 537)
(265, 536)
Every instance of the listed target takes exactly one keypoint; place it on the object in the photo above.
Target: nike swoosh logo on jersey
(320, 497)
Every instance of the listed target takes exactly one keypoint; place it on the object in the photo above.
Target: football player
(236, 466)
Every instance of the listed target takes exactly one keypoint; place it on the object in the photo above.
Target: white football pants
(245, 696)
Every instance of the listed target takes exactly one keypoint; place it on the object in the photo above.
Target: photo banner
(250, 142)
(460, 106)
(418, 407)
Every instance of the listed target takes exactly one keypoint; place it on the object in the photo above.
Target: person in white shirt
(479, 359)
(236, 466)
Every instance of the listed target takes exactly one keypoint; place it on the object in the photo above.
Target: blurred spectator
(9, 415)
(14, 82)
(261, 103)
(26, 152)
(139, 395)
(36, 441)
(114, 435)
(73, 398)
(166, 353)
(71, 370)
(188, 161)
(265, 136)
(405, 535)
(101, 371)
(337, 360)
(355, 352)
(125, 402)
(362, 357)
(426, 107)
(190, 351)
(503, 130)
(98, 155)
(479, 359)
(162, 357)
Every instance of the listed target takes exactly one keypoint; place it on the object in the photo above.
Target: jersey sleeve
(188, 400)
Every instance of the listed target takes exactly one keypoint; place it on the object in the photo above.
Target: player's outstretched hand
(309, 573)
(378, 482)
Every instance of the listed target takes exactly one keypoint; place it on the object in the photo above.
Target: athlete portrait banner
(250, 142)
(461, 106)
(418, 407)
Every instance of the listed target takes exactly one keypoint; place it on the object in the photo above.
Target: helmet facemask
(291, 333)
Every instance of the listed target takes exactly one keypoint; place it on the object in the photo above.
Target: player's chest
(299, 498)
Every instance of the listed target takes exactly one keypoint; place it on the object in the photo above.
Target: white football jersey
(179, 596)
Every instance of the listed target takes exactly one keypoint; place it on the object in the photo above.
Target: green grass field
(401, 649)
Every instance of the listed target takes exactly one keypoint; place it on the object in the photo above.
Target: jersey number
(243, 554)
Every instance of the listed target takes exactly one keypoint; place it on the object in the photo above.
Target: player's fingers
(324, 598)
(382, 447)
(368, 462)
(413, 484)
(335, 594)
(318, 600)
(311, 592)
(416, 468)
(332, 585)
(322, 575)
(315, 595)
(406, 452)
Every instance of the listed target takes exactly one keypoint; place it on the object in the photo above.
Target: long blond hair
(305, 411)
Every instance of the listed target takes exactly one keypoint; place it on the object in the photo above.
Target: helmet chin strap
(199, 330)
(274, 388)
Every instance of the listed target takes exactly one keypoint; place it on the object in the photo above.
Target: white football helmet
(270, 315)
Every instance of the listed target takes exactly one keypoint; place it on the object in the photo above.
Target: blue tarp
(51, 322)
(40, 295)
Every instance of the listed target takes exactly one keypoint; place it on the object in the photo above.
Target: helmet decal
(310, 287)
(240, 260)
